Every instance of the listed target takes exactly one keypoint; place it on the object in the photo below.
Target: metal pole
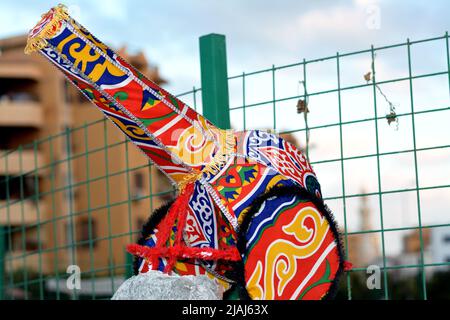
(129, 272)
(213, 64)
(2, 261)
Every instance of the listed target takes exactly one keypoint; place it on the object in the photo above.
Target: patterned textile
(251, 190)
(291, 250)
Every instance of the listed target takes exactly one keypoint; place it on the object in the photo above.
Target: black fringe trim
(238, 271)
(239, 286)
(235, 274)
(303, 194)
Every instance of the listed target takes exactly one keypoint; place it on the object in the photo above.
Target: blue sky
(259, 32)
(262, 33)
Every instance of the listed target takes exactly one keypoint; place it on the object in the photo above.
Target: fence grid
(54, 238)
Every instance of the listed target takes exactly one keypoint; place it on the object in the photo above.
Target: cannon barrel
(175, 137)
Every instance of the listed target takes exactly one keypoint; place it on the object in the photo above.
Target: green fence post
(129, 258)
(2, 261)
(213, 64)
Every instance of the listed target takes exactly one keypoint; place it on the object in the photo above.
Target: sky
(259, 32)
(262, 33)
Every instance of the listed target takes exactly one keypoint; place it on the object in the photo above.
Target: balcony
(21, 114)
(19, 70)
(18, 163)
(11, 214)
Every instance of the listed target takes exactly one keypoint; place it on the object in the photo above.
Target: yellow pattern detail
(83, 57)
(181, 266)
(285, 269)
(89, 36)
(39, 41)
(253, 288)
(189, 147)
(100, 69)
(131, 130)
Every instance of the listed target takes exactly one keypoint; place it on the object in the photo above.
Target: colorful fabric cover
(249, 212)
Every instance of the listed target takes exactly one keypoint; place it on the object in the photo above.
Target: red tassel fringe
(231, 253)
(348, 266)
(179, 210)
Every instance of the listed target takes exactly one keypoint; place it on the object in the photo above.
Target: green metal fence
(343, 91)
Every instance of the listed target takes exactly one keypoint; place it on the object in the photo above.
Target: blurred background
(74, 191)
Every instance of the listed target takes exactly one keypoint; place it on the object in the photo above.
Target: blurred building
(412, 243)
(411, 253)
(38, 182)
(364, 248)
(435, 245)
(440, 245)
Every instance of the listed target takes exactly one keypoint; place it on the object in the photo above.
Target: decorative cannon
(249, 214)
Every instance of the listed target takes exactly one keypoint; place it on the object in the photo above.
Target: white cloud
(335, 20)
(365, 3)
